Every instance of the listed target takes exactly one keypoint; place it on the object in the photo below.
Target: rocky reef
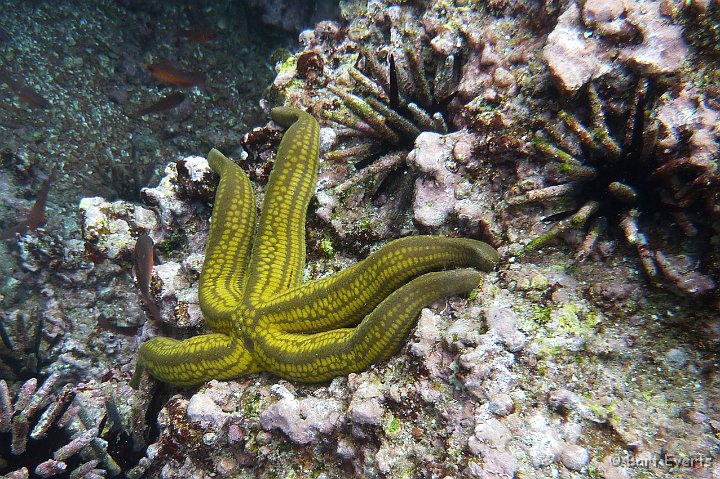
(579, 138)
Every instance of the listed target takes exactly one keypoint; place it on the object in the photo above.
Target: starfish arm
(232, 228)
(345, 298)
(195, 360)
(323, 356)
(278, 255)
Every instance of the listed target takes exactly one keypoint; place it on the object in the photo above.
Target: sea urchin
(616, 174)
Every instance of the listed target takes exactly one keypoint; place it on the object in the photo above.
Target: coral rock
(367, 412)
(110, 229)
(605, 16)
(490, 432)
(663, 49)
(303, 420)
(366, 405)
(434, 200)
(195, 178)
(166, 199)
(178, 295)
(425, 335)
(497, 464)
(610, 471)
(574, 457)
(488, 367)
(504, 322)
(544, 445)
(501, 405)
(688, 114)
(571, 57)
(206, 407)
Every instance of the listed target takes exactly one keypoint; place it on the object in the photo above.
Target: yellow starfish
(266, 319)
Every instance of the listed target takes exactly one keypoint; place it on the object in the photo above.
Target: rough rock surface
(663, 49)
(446, 191)
(575, 55)
(110, 228)
(304, 420)
(572, 58)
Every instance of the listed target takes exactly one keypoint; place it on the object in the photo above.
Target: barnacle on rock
(613, 173)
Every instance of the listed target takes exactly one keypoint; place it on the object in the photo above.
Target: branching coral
(20, 420)
(24, 349)
(616, 172)
(44, 433)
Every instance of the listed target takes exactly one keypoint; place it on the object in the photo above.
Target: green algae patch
(392, 425)
(538, 281)
(562, 330)
(540, 317)
(326, 245)
(175, 241)
(474, 294)
(572, 319)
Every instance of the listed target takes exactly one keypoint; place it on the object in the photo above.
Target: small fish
(26, 94)
(172, 75)
(36, 218)
(165, 103)
(143, 261)
(107, 324)
(197, 34)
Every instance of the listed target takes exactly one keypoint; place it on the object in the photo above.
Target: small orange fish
(143, 261)
(165, 103)
(26, 94)
(36, 218)
(172, 75)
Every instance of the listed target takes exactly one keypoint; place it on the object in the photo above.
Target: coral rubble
(66, 422)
